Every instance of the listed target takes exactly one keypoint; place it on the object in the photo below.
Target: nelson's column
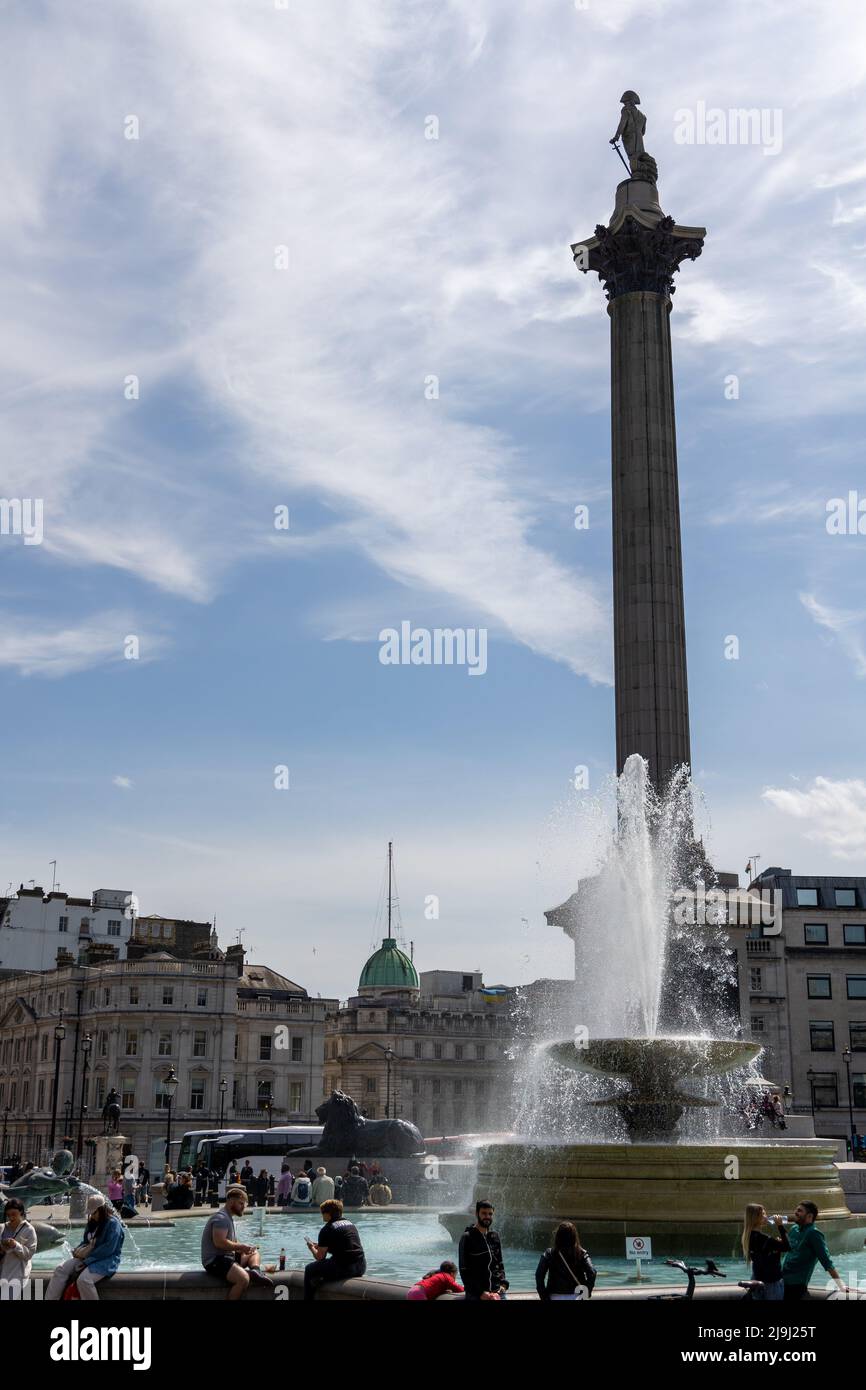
(635, 257)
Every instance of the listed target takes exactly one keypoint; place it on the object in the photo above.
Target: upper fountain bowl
(653, 1064)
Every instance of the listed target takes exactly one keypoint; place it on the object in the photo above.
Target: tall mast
(390, 857)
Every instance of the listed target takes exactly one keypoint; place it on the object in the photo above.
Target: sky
(309, 261)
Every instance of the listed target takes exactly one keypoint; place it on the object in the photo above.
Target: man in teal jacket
(808, 1248)
(97, 1259)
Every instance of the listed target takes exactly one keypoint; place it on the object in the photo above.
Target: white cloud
(125, 782)
(833, 812)
(38, 648)
(847, 626)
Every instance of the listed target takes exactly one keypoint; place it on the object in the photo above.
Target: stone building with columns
(210, 1016)
(430, 1047)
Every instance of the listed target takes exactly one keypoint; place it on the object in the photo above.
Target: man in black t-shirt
(338, 1253)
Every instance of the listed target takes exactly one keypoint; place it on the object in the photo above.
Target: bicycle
(692, 1273)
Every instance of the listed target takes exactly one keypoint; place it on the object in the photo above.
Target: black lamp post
(224, 1085)
(811, 1075)
(388, 1059)
(59, 1035)
(169, 1087)
(846, 1058)
(267, 1104)
(86, 1045)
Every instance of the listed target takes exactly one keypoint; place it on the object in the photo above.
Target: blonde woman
(764, 1252)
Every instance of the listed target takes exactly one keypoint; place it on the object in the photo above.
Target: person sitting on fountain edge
(17, 1248)
(97, 1258)
(808, 1248)
(480, 1258)
(338, 1239)
(226, 1257)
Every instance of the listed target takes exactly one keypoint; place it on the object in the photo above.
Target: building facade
(126, 1023)
(35, 925)
(429, 1048)
(807, 996)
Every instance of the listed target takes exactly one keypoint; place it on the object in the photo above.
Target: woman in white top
(17, 1248)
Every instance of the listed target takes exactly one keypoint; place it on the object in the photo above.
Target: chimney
(64, 958)
(100, 953)
(236, 954)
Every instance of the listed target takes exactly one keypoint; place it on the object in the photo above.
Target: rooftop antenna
(53, 866)
(390, 866)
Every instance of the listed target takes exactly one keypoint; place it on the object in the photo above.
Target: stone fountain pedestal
(108, 1157)
(689, 1198)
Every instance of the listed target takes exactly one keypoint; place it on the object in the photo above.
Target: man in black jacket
(480, 1257)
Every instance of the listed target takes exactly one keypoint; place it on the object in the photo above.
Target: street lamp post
(59, 1035)
(388, 1059)
(169, 1087)
(86, 1045)
(811, 1075)
(224, 1085)
(268, 1104)
(846, 1058)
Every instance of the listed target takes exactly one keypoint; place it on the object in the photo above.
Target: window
(854, 934)
(40, 1095)
(133, 994)
(164, 1045)
(818, 987)
(13, 1093)
(160, 1099)
(63, 924)
(807, 897)
(201, 998)
(437, 1117)
(168, 994)
(846, 897)
(755, 979)
(480, 1051)
(858, 1086)
(196, 1095)
(458, 1088)
(127, 1093)
(370, 1085)
(265, 1041)
(296, 1096)
(856, 986)
(297, 1049)
(825, 1091)
(418, 1050)
(416, 1086)
(106, 996)
(17, 1049)
(458, 1052)
(236, 1047)
(131, 1043)
(857, 1034)
(114, 927)
(43, 1047)
(822, 1037)
(815, 933)
(199, 1043)
(29, 1053)
(467, 982)
(437, 1087)
(236, 1091)
(103, 1043)
(756, 1023)
(437, 1051)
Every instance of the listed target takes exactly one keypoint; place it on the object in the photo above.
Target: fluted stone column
(635, 257)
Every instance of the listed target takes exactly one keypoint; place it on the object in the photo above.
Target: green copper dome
(389, 968)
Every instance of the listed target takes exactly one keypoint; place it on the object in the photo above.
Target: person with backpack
(565, 1272)
(764, 1253)
(480, 1258)
(302, 1191)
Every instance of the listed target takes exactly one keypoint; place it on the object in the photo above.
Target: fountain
(625, 1169)
(39, 1184)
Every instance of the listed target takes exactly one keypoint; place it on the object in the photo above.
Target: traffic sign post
(638, 1248)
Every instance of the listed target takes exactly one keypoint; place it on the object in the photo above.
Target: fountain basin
(689, 1198)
